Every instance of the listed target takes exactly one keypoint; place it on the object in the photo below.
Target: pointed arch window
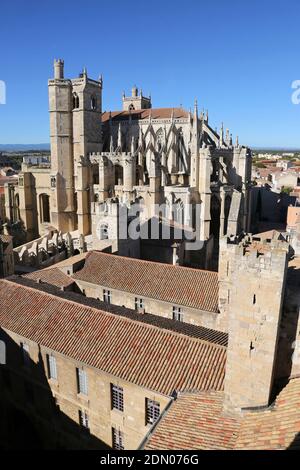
(160, 140)
(93, 103)
(75, 101)
(178, 212)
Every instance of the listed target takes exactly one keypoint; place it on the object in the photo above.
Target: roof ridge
(113, 315)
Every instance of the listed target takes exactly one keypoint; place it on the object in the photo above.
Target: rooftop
(156, 113)
(200, 332)
(277, 427)
(53, 276)
(195, 421)
(146, 355)
(166, 282)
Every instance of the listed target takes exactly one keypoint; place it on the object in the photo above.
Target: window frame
(107, 296)
(139, 303)
(117, 439)
(177, 313)
(25, 354)
(52, 366)
(117, 397)
(84, 420)
(152, 411)
(82, 381)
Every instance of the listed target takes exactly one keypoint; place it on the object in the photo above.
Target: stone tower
(75, 131)
(87, 109)
(252, 281)
(63, 210)
(136, 101)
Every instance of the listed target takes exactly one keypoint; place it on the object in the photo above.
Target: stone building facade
(171, 294)
(78, 398)
(141, 154)
(238, 342)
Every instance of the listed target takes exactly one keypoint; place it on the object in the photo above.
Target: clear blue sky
(237, 57)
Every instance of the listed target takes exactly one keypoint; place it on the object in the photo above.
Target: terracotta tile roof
(200, 332)
(195, 422)
(146, 355)
(53, 276)
(277, 427)
(175, 284)
(156, 113)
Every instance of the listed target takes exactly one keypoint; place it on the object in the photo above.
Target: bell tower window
(93, 103)
(75, 101)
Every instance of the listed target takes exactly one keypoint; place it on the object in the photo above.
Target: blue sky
(237, 58)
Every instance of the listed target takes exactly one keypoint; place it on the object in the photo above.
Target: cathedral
(156, 157)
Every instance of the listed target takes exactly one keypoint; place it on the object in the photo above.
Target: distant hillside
(23, 147)
(274, 149)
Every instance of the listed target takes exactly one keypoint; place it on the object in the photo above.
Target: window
(117, 439)
(93, 103)
(44, 208)
(254, 299)
(107, 296)
(119, 175)
(25, 354)
(117, 399)
(83, 419)
(177, 314)
(82, 384)
(2, 352)
(152, 411)
(139, 303)
(75, 101)
(103, 232)
(52, 370)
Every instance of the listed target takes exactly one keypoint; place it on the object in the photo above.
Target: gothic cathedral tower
(63, 214)
(75, 131)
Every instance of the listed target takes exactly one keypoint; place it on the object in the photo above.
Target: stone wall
(153, 306)
(253, 274)
(97, 404)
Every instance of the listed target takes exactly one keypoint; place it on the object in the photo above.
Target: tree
(286, 189)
